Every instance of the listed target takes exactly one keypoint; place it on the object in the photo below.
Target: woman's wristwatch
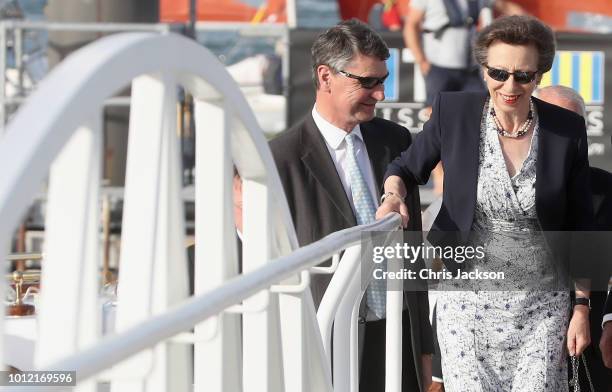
(583, 301)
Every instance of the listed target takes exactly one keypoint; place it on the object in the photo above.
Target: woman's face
(510, 95)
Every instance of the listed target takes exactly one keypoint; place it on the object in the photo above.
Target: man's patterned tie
(365, 209)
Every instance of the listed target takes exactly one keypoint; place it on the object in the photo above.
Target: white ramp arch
(59, 128)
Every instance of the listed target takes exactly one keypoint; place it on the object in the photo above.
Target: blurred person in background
(494, 145)
(439, 33)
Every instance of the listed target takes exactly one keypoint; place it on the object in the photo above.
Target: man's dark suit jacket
(601, 187)
(319, 205)
(452, 135)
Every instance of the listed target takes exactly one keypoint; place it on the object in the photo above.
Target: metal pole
(193, 17)
(18, 48)
(84, 27)
(291, 11)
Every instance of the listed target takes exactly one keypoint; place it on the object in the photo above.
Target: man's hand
(578, 333)
(605, 344)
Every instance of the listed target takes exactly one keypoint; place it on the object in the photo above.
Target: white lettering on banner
(596, 149)
(595, 124)
(386, 113)
(404, 117)
(410, 115)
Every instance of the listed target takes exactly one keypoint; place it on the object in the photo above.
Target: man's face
(351, 103)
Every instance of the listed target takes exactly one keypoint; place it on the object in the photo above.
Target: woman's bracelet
(387, 194)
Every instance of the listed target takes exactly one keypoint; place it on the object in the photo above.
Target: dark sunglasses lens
(498, 74)
(524, 77)
(368, 82)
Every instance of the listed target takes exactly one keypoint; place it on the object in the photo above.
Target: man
(237, 204)
(331, 165)
(601, 187)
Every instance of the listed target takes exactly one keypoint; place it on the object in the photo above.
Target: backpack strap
(456, 18)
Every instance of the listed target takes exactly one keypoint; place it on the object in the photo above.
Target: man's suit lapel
(320, 165)
(379, 153)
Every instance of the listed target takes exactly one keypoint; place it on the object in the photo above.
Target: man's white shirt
(336, 145)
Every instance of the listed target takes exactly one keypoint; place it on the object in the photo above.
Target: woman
(515, 168)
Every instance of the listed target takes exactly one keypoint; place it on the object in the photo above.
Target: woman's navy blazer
(452, 135)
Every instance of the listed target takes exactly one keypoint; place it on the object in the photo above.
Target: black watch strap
(582, 301)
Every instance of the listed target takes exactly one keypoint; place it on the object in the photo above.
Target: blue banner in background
(392, 82)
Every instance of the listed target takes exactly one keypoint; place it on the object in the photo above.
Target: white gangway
(257, 331)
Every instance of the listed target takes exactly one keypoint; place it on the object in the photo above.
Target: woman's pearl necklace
(522, 130)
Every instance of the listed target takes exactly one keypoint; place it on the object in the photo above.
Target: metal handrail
(119, 347)
(20, 25)
(83, 27)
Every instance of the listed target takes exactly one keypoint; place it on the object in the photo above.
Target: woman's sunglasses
(522, 77)
(368, 82)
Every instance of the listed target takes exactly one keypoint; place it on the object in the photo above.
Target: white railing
(281, 349)
(168, 325)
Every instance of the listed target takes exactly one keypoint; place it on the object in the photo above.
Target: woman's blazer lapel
(460, 158)
(378, 152)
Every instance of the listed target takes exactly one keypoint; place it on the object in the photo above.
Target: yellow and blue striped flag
(581, 70)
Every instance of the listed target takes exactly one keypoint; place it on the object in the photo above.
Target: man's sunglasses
(501, 75)
(366, 81)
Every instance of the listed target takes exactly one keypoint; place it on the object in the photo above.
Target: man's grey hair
(338, 46)
(566, 93)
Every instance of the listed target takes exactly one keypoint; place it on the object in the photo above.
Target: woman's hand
(395, 193)
(578, 333)
(393, 203)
